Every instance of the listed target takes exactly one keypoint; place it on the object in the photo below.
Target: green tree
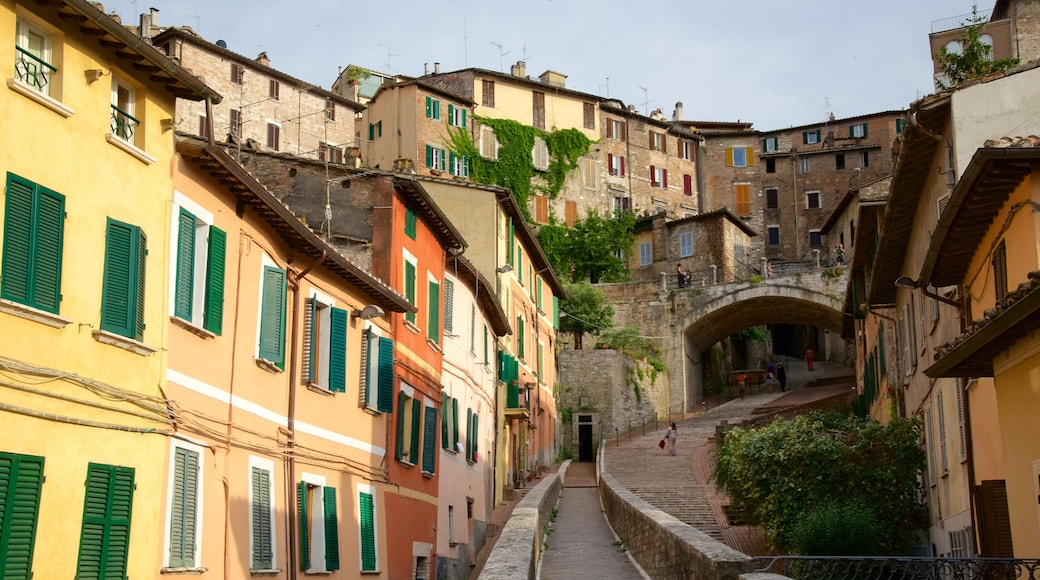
(591, 249)
(586, 312)
(796, 470)
(974, 59)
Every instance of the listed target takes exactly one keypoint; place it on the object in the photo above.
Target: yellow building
(82, 293)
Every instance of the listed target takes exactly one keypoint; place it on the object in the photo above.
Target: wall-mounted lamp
(94, 74)
(504, 269)
(909, 283)
(167, 124)
(369, 312)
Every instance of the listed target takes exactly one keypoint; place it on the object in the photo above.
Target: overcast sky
(775, 63)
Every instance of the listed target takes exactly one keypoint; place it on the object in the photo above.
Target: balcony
(518, 401)
(33, 70)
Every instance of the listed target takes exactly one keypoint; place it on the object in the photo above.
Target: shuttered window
(312, 558)
(433, 316)
(409, 428)
(105, 537)
(261, 539)
(184, 508)
(433, 108)
(34, 222)
(429, 446)
(325, 346)
(410, 222)
(487, 93)
(122, 296)
(449, 306)
(742, 195)
(21, 482)
(538, 110)
(588, 115)
(198, 272)
(409, 289)
(367, 525)
(377, 366)
(272, 317)
(1000, 279)
(570, 213)
(273, 136)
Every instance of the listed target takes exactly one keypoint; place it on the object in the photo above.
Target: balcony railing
(955, 22)
(123, 124)
(32, 70)
(896, 568)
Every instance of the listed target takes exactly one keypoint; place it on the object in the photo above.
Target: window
(658, 177)
(487, 93)
(810, 137)
(687, 184)
(685, 244)
(812, 199)
(433, 108)
(124, 124)
(646, 253)
(105, 537)
(237, 73)
(449, 423)
(541, 209)
(616, 165)
(197, 267)
(325, 344)
(899, 125)
(235, 122)
(839, 161)
(330, 153)
(185, 506)
(538, 110)
(32, 57)
(771, 165)
(472, 435)
(540, 154)
(589, 173)
(739, 157)
(588, 115)
(941, 412)
(772, 198)
(34, 230)
(410, 222)
(858, 131)
(273, 87)
(520, 336)
(436, 158)
(685, 150)
(367, 528)
(865, 160)
(449, 306)
(261, 514)
(377, 372)
(458, 164)
(456, 116)
(375, 130)
(330, 110)
(488, 143)
(273, 134)
(433, 313)
(21, 480)
(617, 129)
(773, 235)
(910, 344)
(815, 240)
(770, 144)
(657, 142)
(805, 164)
(122, 294)
(319, 525)
(416, 431)
(570, 213)
(622, 204)
(409, 286)
(1000, 279)
(742, 198)
(271, 338)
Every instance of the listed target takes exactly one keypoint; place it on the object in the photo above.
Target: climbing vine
(514, 167)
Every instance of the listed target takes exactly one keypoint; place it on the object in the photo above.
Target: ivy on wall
(514, 168)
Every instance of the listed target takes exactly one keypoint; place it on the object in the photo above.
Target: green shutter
(463, 118)
(429, 156)
(541, 362)
(379, 128)
(537, 292)
(520, 336)
(476, 436)
(454, 423)
(371, 132)
(261, 511)
(338, 351)
(451, 114)
(331, 529)
(21, 482)
(429, 460)
(369, 369)
(445, 439)
(509, 243)
(184, 269)
(410, 222)
(105, 537)
(139, 276)
(429, 107)
(214, 314)
(556, 312)
(449, 306)
(409, 289)
(122, 298)
(272, 316)
(402, 399)
(305, 542)
(34, 223)
(368, 532)
(310, 340)
(433, 320)
(469, 434)
(437, 109)
(184, 508)
(805, 137)
(413, 447)
(386, 376)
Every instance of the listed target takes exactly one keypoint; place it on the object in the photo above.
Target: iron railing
(123, 124)
(32, 70)
(898, 568)
(639, 428)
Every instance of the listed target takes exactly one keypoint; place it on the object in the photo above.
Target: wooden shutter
(445, 405)
(184, 269)
(624, 130)
(454, 423)
(122, 288)
(107, 507)
(994, 520)
(272, 136)
(310, 340)
(451, 114)
(429, 460)
(302, 497)
(687, 182)
(139, 279)
(368, 532)
(372, 132)
(402, 399)
(570, 213)
(653, 176)
(33, 232)
(272, 316)
(261, 511)
(410, 221)
(729, 157)
(742, 193)
(184, 508)
(610, 163)
(749, 155)
(413, 447)
(409, 289)
(338, 350)
(385, 399)
(541, 209)
(331, 529)
(214, 313)
(664, 178)
(429, 108)
(621, 159)
(476, 437)
(610, 129)
(449, 306)
(469, 433)
(21, 482)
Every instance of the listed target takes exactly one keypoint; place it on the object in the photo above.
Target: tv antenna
(501, 54)
(390, 51)
(645, 101)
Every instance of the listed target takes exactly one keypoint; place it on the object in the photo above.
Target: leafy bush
(837, 529)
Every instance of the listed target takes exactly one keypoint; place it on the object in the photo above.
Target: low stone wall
(519, 546)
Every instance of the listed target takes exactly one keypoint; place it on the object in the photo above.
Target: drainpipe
(794, 186)
(293, 280)
(951, 178)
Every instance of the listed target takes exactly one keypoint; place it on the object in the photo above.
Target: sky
(773, 63)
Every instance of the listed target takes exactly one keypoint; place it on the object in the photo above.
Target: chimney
(519, 69)
(262, 59)
(553, 78)
(425, 68)
(436, 68)
(677, 114)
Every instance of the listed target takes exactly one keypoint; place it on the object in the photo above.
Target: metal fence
(648, 425)
(880, 568)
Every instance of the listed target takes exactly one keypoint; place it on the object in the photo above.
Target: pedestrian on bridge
(781, 377)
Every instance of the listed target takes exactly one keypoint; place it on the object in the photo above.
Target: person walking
(781, 377)
(669, 437)
(680, 275)
(809, 357)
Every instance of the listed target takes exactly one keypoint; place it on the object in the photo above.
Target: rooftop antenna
(608, 87)
(645, 101)
(389, 53)
(465, 44)
(501, 55)
(524, 54)
(827, 109)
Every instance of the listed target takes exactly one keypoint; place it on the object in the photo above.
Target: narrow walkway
(581, 544)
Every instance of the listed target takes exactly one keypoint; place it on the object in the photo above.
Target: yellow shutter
(729, 157)
(750, 156)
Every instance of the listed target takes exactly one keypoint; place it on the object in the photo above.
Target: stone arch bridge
(685, 322)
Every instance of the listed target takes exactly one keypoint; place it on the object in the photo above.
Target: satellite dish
(221, 44)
